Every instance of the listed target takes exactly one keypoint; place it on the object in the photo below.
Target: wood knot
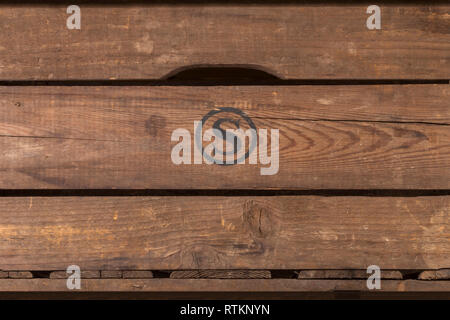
(258, 219)
(154, 124)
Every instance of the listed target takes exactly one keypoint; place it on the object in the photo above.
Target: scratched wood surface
(263, 233)
(216, 285)
(331, 137)
(143, 41)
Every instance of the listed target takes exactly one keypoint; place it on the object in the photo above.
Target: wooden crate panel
(331, 137)
(263, 233)
(143, 41)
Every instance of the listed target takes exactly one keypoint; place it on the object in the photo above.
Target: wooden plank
(20, 275)
(346, 274)
(182, 233)
(111, 274)
(331, 137)
(217, 285)
(85, 274)
(143, 41)
(137, 274)
(443, 274)
(221, 274)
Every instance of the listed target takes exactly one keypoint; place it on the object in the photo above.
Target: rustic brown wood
(137, 274)
(347, 274)
(217, 285)
(3, 274)
(20, 275)
(291, 41)
(331, 137)
(443, 274)
(111, 274)
(263, 233)
(85, 274)
(221, 274)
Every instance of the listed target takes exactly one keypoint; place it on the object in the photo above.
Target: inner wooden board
(330, 137)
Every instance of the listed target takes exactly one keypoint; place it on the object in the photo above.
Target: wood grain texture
(20, 275)
(137, 274)
(331, 137)
(346, 274)
(111, 274)
(443, 274)
(263, 233)
(85, 274)
(217, 285)
(290, 41)
(221, 274)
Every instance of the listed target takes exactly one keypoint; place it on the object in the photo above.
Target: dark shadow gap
(161, 274)
(213, 193)
(411, 274)
(283, 274)
(41, 274)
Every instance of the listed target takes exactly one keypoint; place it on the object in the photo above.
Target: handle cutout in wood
(213, 74)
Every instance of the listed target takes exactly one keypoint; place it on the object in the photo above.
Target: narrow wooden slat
(217, 285)
(111, 274)
(85, 274)
(137, 274)
(20, 275)
(291, 41)
(221, 274)
(346, 274)
(263, 233)
(443, 274)
(331, 137)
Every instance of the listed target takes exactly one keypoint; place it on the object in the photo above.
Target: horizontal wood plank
(217, 285)
(297, 41)
(443, 274)
(264, 233)
(346, 274)
(220, 274)
(331, 137)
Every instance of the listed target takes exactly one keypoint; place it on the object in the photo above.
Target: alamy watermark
(74, 279)
(231, 138)
(374, 280)
(373, 22)
(74, 20)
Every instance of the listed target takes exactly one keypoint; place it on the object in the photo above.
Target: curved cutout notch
(221, 75)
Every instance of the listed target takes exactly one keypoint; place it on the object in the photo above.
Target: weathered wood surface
(111, 274)
(443, 274)
(137, 274)
(291, 41)
(20, 275)
(346, 274)
(221, 274)
(170, 233)
(218, 285)
(85, 274)
(331, 137)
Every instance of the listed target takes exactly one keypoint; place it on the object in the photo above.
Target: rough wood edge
(347, 274)
(215, 285)
(221, 274)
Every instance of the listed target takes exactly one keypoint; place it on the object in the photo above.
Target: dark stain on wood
(154, 124)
